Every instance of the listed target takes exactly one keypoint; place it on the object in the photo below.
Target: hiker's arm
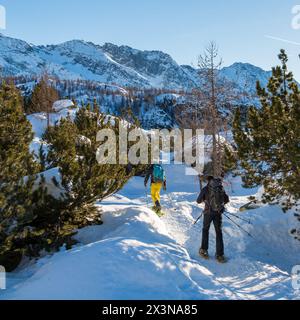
(201, 197)
(165, 185)
(226, 198)
(148, 174)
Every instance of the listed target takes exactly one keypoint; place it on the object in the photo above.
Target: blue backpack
(158, 173)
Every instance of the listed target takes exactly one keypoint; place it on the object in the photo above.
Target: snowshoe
(221, 259)
(158, 211)
(204, 254)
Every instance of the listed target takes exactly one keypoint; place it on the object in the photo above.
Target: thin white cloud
(283, 40)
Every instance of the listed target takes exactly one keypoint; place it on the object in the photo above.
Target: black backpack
(216, 195)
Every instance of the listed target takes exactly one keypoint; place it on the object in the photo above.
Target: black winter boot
(204, 254)
(221, 259)
(158, 206)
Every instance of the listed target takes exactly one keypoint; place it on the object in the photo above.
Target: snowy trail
(244, 274)
(256, 270)
(136, 255)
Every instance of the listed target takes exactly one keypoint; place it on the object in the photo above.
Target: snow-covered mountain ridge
(112, 64)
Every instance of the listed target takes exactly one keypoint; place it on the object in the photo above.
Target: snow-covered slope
(17, 57)
(245, 76)
(158, 67)
(134, 259)
(136, 255)
(112, 64)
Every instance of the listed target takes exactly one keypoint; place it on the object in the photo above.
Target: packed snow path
(136, 255)
(258, 267)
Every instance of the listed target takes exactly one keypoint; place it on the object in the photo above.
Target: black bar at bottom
(87, 310)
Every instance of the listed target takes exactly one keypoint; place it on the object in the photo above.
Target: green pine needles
(32, 220)
(269, 140)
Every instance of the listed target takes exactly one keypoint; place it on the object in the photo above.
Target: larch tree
(42, 98)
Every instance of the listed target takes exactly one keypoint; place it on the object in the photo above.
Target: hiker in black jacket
(214, 208)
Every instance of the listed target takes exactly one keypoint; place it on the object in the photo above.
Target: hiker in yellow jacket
(158, 181)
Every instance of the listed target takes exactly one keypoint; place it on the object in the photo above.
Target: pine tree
(269, 140)
(16, 162)
(29, 216)
(73, 149)
(230, 160)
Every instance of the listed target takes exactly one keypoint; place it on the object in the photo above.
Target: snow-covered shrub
(72, 147)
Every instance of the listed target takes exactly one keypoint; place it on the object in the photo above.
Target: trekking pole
(234, 215)
(196, 221)
(248, 233)
(147, 201)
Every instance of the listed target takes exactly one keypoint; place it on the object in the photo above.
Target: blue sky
(181, 28)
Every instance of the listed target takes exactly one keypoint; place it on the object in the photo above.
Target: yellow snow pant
(155, 192)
